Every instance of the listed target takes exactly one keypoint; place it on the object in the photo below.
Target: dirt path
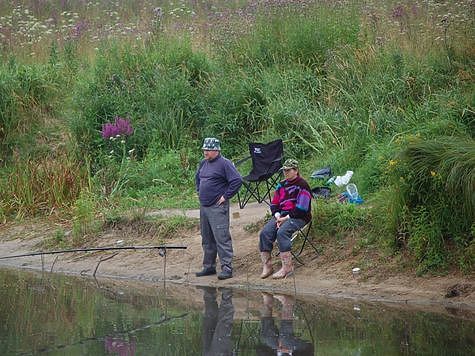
(317, 278)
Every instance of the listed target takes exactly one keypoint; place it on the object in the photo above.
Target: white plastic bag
(343, 180)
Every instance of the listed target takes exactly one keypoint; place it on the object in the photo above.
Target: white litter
(343, 180)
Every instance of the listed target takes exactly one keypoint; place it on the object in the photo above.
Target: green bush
(333, 218)
(433, 203)
(84, 217)
(294, 37)
(426, 241)
(157, 92)
(27, 94)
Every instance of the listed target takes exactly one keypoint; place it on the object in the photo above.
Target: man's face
(210, 154)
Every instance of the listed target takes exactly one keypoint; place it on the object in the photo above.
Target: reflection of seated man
(280, 341)
(217, 322)
(120, 347)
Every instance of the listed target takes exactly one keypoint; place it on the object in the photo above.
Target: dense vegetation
(386, 90)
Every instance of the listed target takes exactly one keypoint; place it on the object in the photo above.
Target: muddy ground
(323, 275)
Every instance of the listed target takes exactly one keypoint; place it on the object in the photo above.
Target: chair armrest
(241, 161)
(278, 159)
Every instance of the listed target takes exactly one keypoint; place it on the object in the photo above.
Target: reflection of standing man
(217, 181)
(217, 322)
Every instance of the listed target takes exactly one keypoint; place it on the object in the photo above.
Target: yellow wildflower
(433, 174)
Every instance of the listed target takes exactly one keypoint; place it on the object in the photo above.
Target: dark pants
(283, 235)
(216, 237)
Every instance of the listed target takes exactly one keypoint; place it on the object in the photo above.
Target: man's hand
(221, 200)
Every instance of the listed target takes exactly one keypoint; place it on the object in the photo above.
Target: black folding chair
(300, 238)
(266, 164)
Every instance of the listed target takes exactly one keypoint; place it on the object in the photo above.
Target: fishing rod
(160, 248)
(162, 321)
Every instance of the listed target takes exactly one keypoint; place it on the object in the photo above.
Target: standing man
(217, 181)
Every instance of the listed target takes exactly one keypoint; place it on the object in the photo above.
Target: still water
(64, 315)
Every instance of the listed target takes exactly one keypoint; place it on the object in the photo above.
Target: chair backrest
(266, 158)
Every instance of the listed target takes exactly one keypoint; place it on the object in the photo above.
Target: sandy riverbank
(319, 277)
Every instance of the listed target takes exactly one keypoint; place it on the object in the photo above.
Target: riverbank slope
(328, 274)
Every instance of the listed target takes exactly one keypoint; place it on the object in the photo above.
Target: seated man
(291, 210)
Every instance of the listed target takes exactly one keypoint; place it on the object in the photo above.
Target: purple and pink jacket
(293, 198)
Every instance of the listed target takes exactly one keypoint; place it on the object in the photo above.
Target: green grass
(386, 94)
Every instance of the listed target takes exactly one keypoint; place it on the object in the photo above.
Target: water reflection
(280, 340)
(65, 315)
(118, 346)
(217, 322)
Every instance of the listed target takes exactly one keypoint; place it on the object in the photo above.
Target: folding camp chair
(266, 163)
(299, 239)
(301, 236)
(303, 233)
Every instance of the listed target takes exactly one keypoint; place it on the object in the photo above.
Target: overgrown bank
(384, 90)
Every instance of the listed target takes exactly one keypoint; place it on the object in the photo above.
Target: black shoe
(225, 275)
(226, 293)
(208, 271)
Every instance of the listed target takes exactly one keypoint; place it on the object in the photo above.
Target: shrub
(426, 241)
(156, 88)
(334, 218)
(42, 186)
(27, 94)
(84, 217)
(294, 37)
(433, 202)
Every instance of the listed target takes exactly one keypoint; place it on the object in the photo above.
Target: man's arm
(234, 180)
(197, 175)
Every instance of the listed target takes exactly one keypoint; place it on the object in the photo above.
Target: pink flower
(121, 127)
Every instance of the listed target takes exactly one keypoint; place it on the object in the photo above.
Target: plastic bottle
(352, 190)
(330, 181)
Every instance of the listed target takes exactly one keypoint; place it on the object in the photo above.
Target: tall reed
(46, 186)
